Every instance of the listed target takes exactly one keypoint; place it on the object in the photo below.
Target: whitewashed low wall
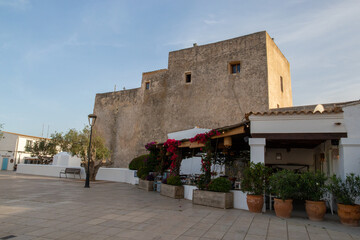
(188, 191)
(239, 196)
(45, 170)
(240, 200)
(124, 175)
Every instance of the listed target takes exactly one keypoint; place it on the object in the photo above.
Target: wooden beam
(185, 144)
(298, 136)
(196, 145)
(235, 131)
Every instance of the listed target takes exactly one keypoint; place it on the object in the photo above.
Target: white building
(323, 137)
(12, 149)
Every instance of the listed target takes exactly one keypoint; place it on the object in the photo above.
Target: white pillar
(349, 156)
(257, 149)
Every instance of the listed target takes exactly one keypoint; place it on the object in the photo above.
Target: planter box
(172, 191)
(213, 199)
(146, 185)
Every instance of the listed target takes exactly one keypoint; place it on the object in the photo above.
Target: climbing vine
(206, 159)
(171, 146)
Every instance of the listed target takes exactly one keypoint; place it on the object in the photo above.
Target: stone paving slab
(35, 207)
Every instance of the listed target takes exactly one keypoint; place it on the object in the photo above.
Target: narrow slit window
(188, 77)
(281, 84)
(147, 85)
(235, 68)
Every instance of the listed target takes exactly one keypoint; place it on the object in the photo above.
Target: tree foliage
(44, 148)
(1, 133)
(76, 143)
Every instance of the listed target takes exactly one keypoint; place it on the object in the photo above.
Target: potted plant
(254, 182)
(146, 182)
(284, 184)
(215, 194)
(312, 189)
(345, 193)
(172, 187)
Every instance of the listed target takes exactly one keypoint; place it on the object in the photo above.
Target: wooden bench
(73, 171)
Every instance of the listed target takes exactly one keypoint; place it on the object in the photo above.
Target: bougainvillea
(151, 145)
(171, 146)
(204, 137)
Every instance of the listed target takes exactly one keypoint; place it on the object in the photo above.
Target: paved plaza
(33, 207)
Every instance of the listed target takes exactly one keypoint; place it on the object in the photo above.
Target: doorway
(4, 164)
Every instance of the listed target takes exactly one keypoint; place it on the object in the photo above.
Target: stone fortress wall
(215, 97)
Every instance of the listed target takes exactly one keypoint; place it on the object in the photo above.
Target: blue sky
(56, 55)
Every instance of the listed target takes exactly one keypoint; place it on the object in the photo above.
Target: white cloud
(315, 24)
(212, 21)
(18, 4)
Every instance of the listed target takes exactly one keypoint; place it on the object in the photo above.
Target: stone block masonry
(215, 96)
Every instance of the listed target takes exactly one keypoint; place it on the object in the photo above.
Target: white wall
(349, 147)
(188, 191)
(66, 159)
(294, 156)
(45, 170)
(317, 123)
(21, 148)
(352, 120)
(124, 175)
(7, 149)
(240, 200)
(191, 166)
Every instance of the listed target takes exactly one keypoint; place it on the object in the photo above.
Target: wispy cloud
(212, 21)
(316, 24)
(44, 52)
(17, 4)
(73, 40)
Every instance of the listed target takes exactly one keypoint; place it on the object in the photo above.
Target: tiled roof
(307, 109)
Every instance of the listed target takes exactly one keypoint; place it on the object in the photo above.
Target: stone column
(257, 149)
(349, 156)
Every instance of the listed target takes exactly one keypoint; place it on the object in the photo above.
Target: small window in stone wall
(188, 77)
(147, 85)
(281, 84)
(234, 67)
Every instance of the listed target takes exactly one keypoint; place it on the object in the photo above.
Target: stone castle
(208, 86)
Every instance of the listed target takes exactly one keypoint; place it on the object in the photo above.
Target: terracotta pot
(283, 208)
(315, 210)
(349, 214)
(255, 203)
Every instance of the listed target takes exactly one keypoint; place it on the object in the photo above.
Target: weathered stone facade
(215, 97)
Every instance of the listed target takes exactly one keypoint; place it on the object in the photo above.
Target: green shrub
(284, 184)
(200, 182)
(152, 162)
(347, 191)
(312, 185)
(255, 178)
(138, 162)
(220, 185)
(143, 172)
(174, 180)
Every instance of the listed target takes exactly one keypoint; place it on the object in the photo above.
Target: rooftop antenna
(42, 132)
(47, 135)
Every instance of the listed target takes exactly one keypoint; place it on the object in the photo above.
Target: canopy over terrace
(229, 145)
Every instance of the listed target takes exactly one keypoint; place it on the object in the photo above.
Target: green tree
(77, 143)
(1, 133)
(42, 149)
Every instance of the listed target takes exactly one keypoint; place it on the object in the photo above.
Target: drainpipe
(16, 150)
